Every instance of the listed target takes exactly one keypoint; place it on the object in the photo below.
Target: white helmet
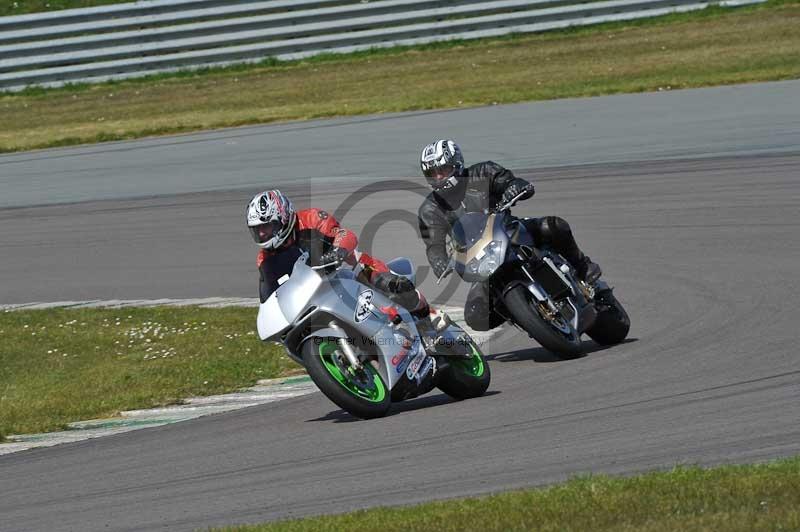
(271, 218)
(441, 163)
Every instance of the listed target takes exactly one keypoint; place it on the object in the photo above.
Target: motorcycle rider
(283, 234)
(458, 189)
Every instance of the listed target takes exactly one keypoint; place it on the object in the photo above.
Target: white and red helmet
(271, 218)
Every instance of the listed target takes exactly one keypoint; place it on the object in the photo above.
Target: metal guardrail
(153, 36)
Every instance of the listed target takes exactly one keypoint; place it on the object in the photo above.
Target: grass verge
(67, 365)
(23, 7)
(712, 47)
(731, 498)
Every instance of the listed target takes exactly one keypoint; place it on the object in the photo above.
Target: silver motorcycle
(534, 288)
(362, 350)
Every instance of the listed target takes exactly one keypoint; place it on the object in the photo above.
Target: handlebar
(335, 263)
(511, 203)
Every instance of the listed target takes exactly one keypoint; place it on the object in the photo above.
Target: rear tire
(465, 378)
(612, 324)
(521, 305)
(364, 395)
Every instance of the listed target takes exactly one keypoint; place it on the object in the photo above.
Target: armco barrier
(135, 39)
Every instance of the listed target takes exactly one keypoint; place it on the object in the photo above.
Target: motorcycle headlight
(493, 247)
(487, 266)
(488, 260)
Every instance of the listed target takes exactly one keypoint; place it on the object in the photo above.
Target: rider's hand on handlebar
(439, 266)
(393, 284)
(334, 255)
(515, 189)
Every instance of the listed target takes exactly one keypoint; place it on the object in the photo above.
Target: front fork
(533, 288)
(347, 349)
(583, 297)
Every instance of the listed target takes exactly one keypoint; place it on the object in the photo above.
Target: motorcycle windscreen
(468, 230)
(271, 321)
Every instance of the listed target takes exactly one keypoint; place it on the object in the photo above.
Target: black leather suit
(483, 188)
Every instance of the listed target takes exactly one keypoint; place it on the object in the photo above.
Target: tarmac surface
(696, 226)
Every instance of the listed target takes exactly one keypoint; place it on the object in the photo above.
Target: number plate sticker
(363, 305)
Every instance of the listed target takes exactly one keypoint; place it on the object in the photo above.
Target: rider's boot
(440, 320)
(431, 323)
(557, 232)
(586, 270)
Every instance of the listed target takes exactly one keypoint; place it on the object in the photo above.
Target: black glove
(515, 189)
(334, 255)
(439, 266)
(393, 284)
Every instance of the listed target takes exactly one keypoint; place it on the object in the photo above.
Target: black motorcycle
(534, 288)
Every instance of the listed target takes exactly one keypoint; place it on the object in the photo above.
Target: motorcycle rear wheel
(612, 324)
(523, 309)
(362, 392)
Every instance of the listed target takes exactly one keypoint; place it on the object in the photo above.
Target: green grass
(730, 499)
(711, 47)
(23, 7)
(63, 365)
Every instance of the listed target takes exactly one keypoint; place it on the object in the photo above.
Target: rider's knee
(476, 316)
(480, 316)
(555, 228)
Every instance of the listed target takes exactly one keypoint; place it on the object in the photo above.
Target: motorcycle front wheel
(361, 392)
(467, 374)
(563, 341)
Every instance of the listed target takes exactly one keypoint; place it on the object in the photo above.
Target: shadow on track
(428, 401)
(542, 355)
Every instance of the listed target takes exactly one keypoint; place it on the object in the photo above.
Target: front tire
(362, 394)
(465, 378)
(523, 309)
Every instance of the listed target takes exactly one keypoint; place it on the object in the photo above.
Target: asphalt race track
(698, 231)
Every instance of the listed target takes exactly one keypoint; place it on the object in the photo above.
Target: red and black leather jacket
(316, 232)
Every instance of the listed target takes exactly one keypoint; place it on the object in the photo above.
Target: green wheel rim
(472, 365)
(373, 390)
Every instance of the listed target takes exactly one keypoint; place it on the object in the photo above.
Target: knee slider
(558, 227)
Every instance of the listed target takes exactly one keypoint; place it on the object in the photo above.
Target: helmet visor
(443, 183)
(265, 232)
(441, 173)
